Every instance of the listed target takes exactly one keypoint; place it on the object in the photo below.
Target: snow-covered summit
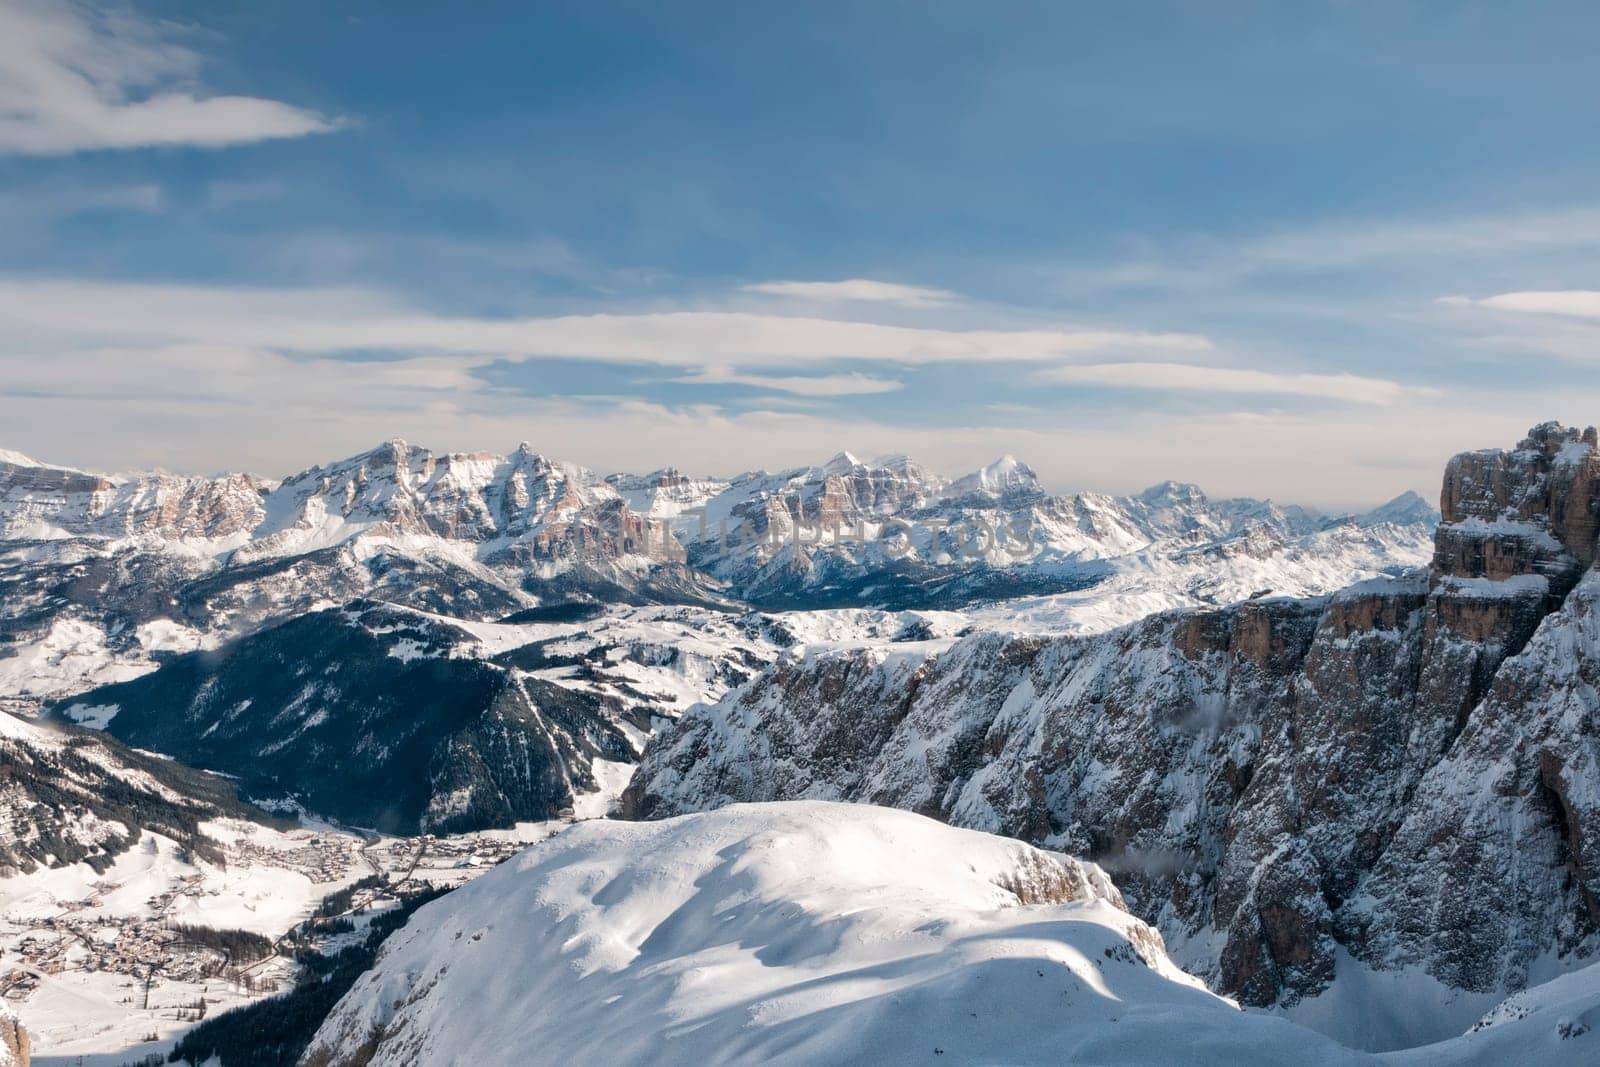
(1407, 508)
(791, 934)
(16, 459)
(1006, 475)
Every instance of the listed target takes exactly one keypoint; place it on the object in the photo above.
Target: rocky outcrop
(1497, 861)
(38, 501)
(133, 566)
(1404, 772)
(522, 504)
(1534, 510)
(889, 533)
(15, 1046)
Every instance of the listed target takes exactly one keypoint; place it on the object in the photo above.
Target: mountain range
(1337, 766)
(1387, 795)
(373, 639)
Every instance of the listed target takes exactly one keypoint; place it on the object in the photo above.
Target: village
(163, 939)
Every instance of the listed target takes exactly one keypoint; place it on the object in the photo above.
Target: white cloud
(73, 79)
(1575, 303)
(329, 320)
(238, 379)
(857, 289)
(853, 384)
(1184, 377)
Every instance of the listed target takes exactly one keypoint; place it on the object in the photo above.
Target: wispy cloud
(40, 205)
(1184, 377)
(1573, 303)
(1361, 246)
(333, 320)
(74, 79)
(861, 290)
(273, 415)
(1370, 241)
(853, 384)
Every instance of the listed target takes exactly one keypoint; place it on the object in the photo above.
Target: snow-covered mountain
(788, 934)
(1306, 796)
(817, 933)
(70, 796)
(521, 505)
(891, 534)
(261, 603)
(365, 716)
(1365, 806)
(101, 576)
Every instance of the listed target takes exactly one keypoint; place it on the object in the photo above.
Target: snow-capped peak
(1408, 507)
(17, 459)
(1171, 492)
(843, 461)
(1008, 474)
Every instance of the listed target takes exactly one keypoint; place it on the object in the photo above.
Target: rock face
(1531, 514)
(125, 567)
(364, 715)
(1405, 772)
(521, 506)
(483, 534)
(891, 534)
(522, 502)
(38, 501)
(15, 1046)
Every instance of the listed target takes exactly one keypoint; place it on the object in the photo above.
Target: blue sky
(1302, 250)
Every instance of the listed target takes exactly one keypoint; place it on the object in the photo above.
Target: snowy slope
(1553, 1025)
(796, 933)
(1254, 564)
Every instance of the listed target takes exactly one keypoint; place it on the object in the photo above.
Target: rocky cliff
(1403, 774)
(15, 1046)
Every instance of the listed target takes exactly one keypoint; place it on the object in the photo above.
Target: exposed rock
(15, 1047)
(1532, 510)
(1406, 771)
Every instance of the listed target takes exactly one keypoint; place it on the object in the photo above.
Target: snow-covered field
(1164, 578)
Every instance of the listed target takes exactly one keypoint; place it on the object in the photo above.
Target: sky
(1304, 251)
